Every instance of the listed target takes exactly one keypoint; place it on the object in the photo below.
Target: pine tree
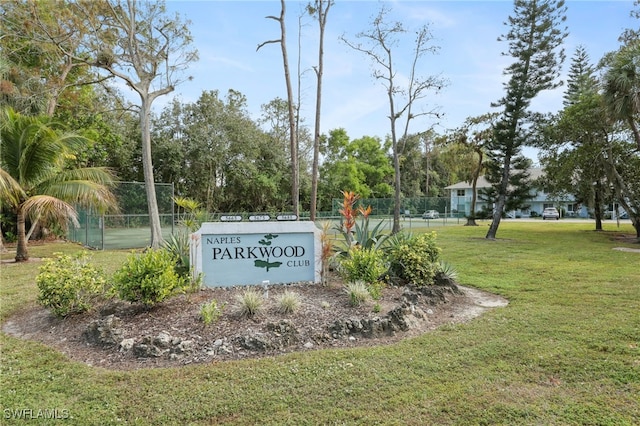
(580, 78)
(535, 40)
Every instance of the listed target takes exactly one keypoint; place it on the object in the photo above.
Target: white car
(550, 213)
(430, 214)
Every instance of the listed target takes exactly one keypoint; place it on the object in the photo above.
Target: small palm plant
(36, 177)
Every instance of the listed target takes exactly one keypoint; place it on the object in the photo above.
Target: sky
(469, 56)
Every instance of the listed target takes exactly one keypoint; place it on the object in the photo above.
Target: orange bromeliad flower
(364, 212)
(347, 210)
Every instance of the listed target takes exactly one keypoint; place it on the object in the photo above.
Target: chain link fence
(130, 228)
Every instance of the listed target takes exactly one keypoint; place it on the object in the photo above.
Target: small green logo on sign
(266, 241)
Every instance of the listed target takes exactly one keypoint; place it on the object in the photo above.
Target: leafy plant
(69, 284)
(415, 260)
(396, 240)
(250, 303)
(375, 289)
(289, 302)
(326, 251)
(178, 246)
(445, 273)
(357, 291)
(149, 277)
(211, 312)
(192, 214)
(369, 238)
(362, 265)
(355, 234)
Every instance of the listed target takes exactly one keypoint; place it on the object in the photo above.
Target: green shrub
(69, 284)
(288, 302)
(250, 303)
(415, 260)
(362, 265)
(149, 277)
(357, 291)
(375, 289)
(211, 312)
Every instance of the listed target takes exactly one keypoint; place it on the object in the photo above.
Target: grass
(249, 303)
(566, 351)
(289, 302)
(357, 291)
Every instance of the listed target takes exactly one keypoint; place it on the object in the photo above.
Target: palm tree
(34, 181)
(622, 87)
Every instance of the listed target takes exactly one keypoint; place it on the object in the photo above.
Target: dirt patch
(324, 320)
(627, 249)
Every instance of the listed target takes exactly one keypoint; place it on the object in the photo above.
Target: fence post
(101, 224)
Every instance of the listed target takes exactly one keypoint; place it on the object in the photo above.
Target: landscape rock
(259, 342)
(147, 349)
(126, 345)
(105, 331)
(163, 340)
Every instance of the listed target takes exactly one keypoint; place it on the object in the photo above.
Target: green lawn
(565, 351)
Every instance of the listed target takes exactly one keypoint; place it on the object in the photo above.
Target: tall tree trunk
(149, 182)
(502, 198)
(293, 140)
(471, 220)
(597, 208)
(22, 254)
(322, 20)
(634, 130)
(396, 206)
(32, 229)
(620, 187)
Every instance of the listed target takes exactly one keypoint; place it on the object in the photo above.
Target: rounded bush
(69, 284)
(415, 260)
(149, 277)
(360, 264)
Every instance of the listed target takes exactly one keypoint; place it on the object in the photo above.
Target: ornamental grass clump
(358, 292)
(249, 303)
(69, 284)
(289, 302)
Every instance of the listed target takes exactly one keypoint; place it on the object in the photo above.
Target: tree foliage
(535, 37)
(379, 45)
(361, 166)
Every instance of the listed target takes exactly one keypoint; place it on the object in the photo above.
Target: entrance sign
(241, 253)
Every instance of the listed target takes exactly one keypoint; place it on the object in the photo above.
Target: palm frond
(11, 193)
(89, 186)
(50, 210)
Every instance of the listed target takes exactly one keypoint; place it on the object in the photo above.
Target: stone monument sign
(255, 253)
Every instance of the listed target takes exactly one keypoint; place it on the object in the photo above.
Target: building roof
(534, 173)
